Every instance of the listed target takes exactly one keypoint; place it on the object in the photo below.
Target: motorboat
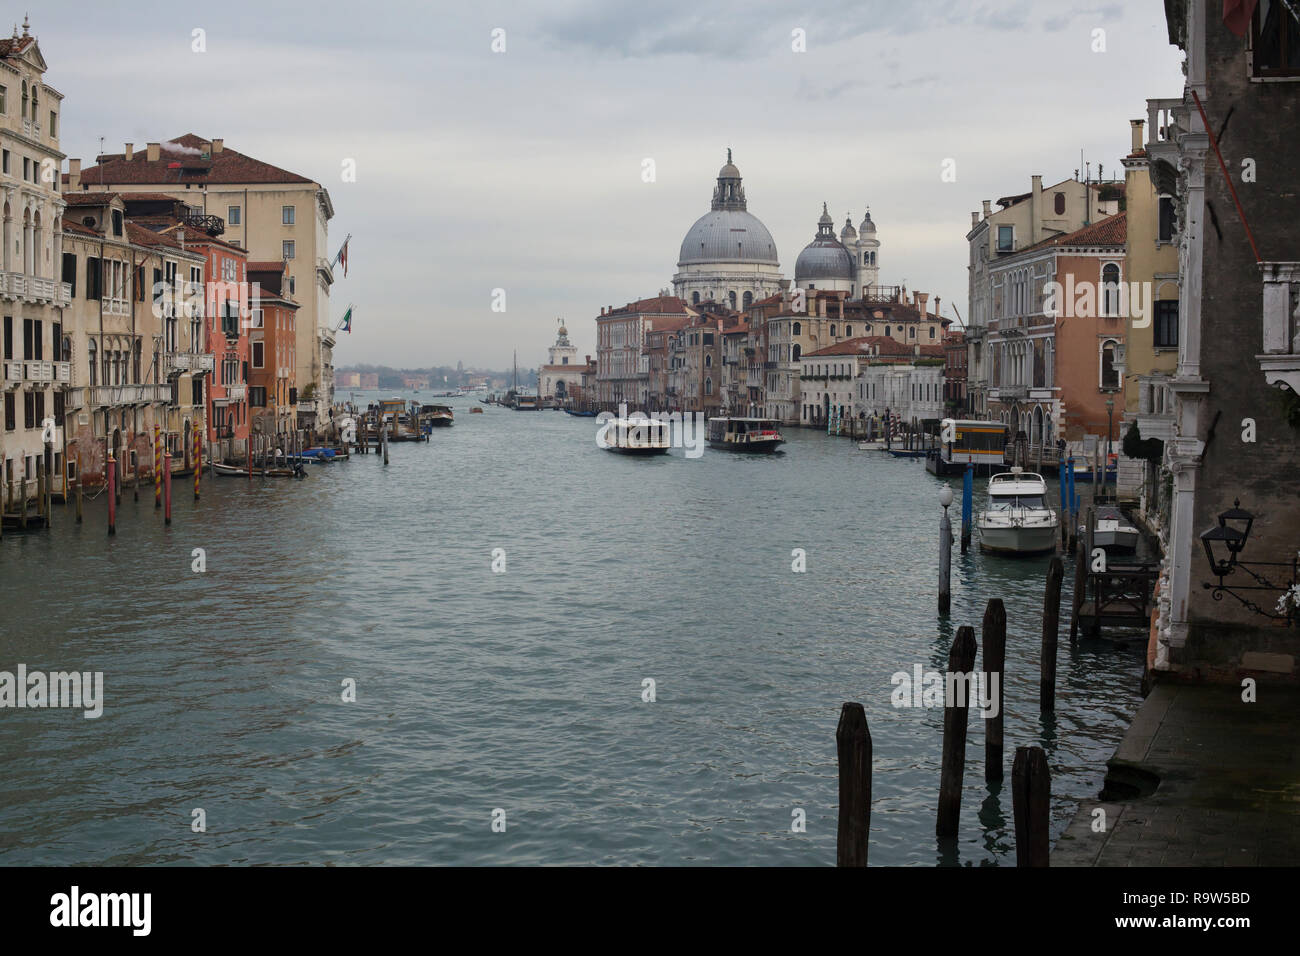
(1112, 531)
(1017, 519)
(634, 436)
(744, 434)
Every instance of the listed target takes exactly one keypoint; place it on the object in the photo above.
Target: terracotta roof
(147, 237)
(71, 225)
(864, 345)
(226, 167)
(668, 323)
(89, 199)
(1111, 231)
(11, 46)
(933, 351)
(667, 304)
(271, 265)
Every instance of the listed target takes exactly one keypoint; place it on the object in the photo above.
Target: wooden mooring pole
(995, 662)
(961, 665)
(853, 748)
(1051, 627)
(112, 499)
(1031, 798)
(945, 552)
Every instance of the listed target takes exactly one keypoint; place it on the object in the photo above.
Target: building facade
(1238, 374)
(269, 212)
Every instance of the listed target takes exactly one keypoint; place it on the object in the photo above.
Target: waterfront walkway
(1200, 779)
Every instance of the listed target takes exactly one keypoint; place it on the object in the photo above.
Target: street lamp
(1223, 546)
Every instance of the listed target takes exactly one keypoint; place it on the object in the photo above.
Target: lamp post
(945, 552)
(1110, 420)
(1223, 546)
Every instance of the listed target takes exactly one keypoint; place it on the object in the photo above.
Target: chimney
(180, 234)
(1136, 129)
(921, 299)
(153, 151)
(74, 174)
(217, 146)
(129, 152)
(1036, 207)
(602, 310)
(936, 306)
(988, 211)
(974, 218)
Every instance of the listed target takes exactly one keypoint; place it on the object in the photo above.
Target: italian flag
(346, 324)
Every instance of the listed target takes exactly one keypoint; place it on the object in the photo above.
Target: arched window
(1109, 374)
(708, 386)
(708, 361)
(797, 352)
(866, 258)
(848, 331)
(1110, 289)
(795, 328)
(91, 351)
(1060, 204)
(748, 299)
(695, 298)
(832, 330)
(731, 298)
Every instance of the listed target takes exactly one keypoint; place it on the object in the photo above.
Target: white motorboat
(635, 436)
(1017, 519)
(1112, 531)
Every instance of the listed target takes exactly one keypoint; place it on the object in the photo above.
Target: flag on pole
(1237, 15)
(346, 324)
(343, 256)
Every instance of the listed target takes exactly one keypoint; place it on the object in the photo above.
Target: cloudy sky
(522, 169)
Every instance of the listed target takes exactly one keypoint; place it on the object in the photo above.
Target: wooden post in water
(40, 491)
(167, 487)
(945, 552)
(1051, 627)
(967, 505)
(79, 485)
(1031, 797)
(961, 661)
(22, 500)
(198, 462)
(853, 748)
(112, 499)
(49, 481)
(385, 441)
(1090, 531)
(995, 663)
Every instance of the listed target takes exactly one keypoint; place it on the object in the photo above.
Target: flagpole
(339, 254)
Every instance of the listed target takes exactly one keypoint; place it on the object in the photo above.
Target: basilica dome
(825, 257)
(728, 235)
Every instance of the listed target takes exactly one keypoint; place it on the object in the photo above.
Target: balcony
(13, 372)
(46, 373)
(236, 393)
(1280, 360)
(35, 289)
(203, 362)
(177, 362)
(1166, 118)
(74, 398)
(155, 394)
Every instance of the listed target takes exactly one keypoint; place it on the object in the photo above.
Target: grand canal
(520, 690)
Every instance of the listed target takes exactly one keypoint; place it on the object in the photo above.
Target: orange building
(1058, 318)
(272, 392)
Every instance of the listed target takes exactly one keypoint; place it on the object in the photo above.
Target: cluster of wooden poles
(1031, 786)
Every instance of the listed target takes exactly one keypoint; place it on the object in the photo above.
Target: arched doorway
(560, 391)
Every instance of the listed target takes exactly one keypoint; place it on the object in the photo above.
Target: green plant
(308, 392)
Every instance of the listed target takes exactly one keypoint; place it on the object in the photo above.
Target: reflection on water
(521, 690)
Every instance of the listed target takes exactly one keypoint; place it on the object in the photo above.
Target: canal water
(517, 694)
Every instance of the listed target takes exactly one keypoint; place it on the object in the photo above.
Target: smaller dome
(729, 171)
(825, 219)
(848, 232)
(867, 224)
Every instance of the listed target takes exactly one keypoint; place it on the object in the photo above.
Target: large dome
(728, 235)
(825, 257)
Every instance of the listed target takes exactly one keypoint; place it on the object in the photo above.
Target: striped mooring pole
(157, 467)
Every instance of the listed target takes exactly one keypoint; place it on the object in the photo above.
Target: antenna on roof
(101, 146)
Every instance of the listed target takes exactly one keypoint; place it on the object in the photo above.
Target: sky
(522, 170)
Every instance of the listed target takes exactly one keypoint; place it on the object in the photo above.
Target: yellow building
(1151, 353)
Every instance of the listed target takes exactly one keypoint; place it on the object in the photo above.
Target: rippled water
(521, 690)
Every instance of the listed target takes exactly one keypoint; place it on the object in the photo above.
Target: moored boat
(744, 434)
(635, 436)
(1112, 531)
(1017, 519)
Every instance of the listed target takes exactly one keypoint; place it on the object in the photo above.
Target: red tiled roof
(10, 46)
(883, 345)
(1111, 231)
(662, 304)
(71, 225)
(933, 351)
(271, 265)
(226, 167)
